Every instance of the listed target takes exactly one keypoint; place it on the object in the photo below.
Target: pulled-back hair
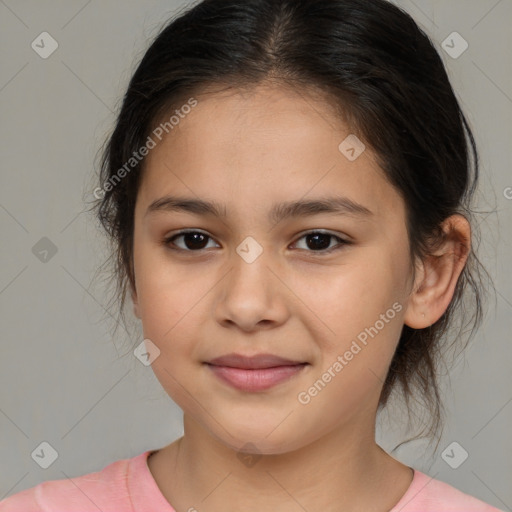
(379, 72)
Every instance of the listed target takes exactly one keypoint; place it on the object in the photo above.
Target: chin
(264, 439)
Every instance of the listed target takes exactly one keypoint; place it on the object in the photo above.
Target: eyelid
(322, 231)
(343, 240)
(167, 239)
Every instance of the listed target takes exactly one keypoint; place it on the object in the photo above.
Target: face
(326, 288)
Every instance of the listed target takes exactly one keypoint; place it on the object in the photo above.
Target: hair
(378, 70)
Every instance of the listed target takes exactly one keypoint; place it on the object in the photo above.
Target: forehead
(268, 142)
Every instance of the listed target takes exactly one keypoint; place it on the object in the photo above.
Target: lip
(258, 379)
(258, 361)
(254, 373)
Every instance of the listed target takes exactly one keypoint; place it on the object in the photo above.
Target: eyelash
(169, 240)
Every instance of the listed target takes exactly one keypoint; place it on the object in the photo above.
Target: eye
(195, 241)
(319, 241)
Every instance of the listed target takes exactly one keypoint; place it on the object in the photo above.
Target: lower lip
(257, 379)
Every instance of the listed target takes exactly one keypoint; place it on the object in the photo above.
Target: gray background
(63, 378)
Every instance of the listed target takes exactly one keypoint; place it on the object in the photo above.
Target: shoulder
(104, 490)
(427, 494)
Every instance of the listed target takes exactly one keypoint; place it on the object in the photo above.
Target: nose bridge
(250, 266)
(251, 293)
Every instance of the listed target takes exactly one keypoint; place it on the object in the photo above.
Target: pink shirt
(127, 485)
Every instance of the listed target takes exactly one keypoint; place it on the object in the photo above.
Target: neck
(344, 469)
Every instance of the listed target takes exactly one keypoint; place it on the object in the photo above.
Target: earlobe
(439, 274)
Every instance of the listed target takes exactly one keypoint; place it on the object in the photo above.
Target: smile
(258, 379)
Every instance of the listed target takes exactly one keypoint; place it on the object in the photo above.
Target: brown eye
(193, 240)
(196, 241)
(318, 241)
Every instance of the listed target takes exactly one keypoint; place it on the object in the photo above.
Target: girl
(252, 131)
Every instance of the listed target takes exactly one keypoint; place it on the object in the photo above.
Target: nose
(252, 295)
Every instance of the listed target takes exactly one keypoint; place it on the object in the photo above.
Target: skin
(247, 151)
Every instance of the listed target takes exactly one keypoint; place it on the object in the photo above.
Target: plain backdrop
(63, 379)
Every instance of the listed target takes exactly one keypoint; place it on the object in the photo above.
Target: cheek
(361, 307)
(170, 314)
(363, 310)
(164, 293)
(167, 302)
(174, 307)
(353, 296)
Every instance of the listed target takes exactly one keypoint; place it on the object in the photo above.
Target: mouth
(255, 373)
(255, 362)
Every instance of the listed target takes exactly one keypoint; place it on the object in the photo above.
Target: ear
(136, 309)
(438, 275)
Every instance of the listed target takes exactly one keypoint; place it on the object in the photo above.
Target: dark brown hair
(379, 70)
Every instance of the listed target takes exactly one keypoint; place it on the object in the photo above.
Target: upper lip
(252, 362)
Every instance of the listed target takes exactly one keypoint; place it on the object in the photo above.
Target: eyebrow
(278, 212)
